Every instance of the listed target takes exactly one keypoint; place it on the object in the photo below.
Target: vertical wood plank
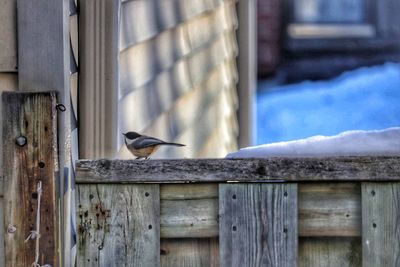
(258, 224)
(33, 116)
(8, 36)
(43, 45)
(189, 252)
(381, 224)
(118, 225)
(2, 260)
(44, 65)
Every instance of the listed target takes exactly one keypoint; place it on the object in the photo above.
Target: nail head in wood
(21, 140)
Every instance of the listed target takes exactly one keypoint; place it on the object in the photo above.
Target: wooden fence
(241, 212)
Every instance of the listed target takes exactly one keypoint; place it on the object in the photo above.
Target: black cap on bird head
(131, 135)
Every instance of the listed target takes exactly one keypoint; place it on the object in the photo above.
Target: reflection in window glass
(328, 11)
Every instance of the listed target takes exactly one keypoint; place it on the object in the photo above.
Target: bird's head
(131, 135)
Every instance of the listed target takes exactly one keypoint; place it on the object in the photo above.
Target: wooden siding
(98, 78)
(178, 74)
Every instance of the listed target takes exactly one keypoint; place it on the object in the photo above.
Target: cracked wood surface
(363, 168)
(325, 209)
(381, 224)
(118, 225)
(258, 225)
(31, 119)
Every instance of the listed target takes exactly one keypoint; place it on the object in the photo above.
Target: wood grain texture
(190, 252)
(189, 210)
(43, 45)
(188, 191)
(330, 252)
(32, 115)
(258, 225)
(8, 36)
(324, 209)
(44, 57)
(330, 209)
(8, 82)
(118, 225)
(250, 170)
(2, 250)
(189, 218)
(381, 224)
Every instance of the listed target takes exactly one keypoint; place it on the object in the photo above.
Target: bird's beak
(123, 134)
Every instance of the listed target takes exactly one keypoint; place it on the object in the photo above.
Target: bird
(143, 146)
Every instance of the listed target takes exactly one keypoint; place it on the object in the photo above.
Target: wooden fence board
(244, 170)
(188, 191)
(381, 224)
(2, 260)
(258, 225)
(325, 209)
(329, 209)
(189, 218)
(196, 252)
(30, 119)
(330, 252)
(118, 225)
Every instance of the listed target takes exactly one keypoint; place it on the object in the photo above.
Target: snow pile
(349, 143)
(364, 99)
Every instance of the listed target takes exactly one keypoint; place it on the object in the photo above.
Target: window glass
(328, 11)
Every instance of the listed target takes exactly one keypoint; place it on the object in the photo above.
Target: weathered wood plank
(188, 191)
(8, 82)
(189, 210)
(330, 209)
(258, 225)
(189, 252)
(2, 250)
(8, 35)
(381, 224)
(189, 218)
(44, 55)
(250, 170)
(30, 117)
(330, 252)
(43, 42)
(118, 225)
(325, 209)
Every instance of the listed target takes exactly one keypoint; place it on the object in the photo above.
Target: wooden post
(258, 225)
(118, 225)
(30, 156)
(381, 224)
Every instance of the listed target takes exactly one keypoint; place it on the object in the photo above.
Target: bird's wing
(146, 141)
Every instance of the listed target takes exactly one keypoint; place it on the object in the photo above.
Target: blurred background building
(335, 43)
(162, 68)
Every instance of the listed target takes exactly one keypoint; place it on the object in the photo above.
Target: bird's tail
(172, 144)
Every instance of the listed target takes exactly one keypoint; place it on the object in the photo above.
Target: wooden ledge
(379, 168)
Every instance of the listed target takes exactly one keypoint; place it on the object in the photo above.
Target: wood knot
(261, 170)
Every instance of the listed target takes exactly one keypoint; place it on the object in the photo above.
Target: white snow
(349, 143)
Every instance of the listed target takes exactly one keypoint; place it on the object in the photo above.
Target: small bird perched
(143, 146)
